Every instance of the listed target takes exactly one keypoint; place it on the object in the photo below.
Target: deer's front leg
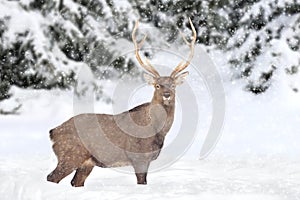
(141, 178)
(140, 165)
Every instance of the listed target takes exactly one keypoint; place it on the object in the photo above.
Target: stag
(132, 138)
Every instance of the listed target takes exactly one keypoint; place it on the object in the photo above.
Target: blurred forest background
(43, 43)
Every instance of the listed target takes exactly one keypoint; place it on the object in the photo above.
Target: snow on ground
(213, 178)
(257, 157)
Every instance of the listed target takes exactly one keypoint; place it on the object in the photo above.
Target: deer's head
(164, 85)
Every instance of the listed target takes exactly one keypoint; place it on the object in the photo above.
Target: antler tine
(180, 67)
(148, 67)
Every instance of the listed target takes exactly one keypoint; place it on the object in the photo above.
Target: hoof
(51, 178)
(74, 184)
(142, 183)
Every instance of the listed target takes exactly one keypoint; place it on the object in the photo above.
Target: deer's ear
(179, 79)
(149, 79)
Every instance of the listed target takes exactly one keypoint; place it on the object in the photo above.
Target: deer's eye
(157, 86)
(173, 86)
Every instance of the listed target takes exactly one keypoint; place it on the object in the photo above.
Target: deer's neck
(169, 121)
(162, 115)
(168, 108)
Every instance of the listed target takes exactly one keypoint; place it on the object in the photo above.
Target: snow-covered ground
(257, 156)
(214, 178)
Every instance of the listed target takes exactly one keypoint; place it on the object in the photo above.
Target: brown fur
(89, 140)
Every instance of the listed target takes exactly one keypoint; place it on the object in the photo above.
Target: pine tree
(61, 37)
(257, 47)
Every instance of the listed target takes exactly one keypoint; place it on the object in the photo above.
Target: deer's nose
(167, 94)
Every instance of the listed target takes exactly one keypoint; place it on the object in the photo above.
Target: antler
(180, 67)
(148, 67)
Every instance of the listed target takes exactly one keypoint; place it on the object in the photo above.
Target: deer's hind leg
(82, 173)
(66, 165)
(61, 171)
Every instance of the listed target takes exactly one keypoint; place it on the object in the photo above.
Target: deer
(132, 138)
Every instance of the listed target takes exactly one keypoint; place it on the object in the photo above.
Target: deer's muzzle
(166, 95)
